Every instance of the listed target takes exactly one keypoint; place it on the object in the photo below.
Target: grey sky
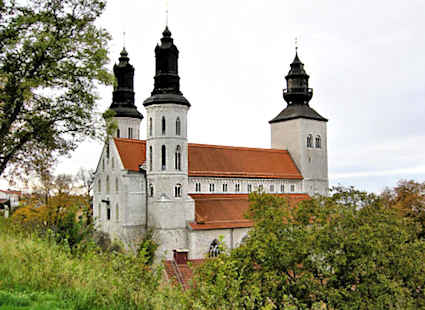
(365, 59)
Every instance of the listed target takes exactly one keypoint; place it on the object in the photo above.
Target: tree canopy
(348, 251)
(52, 58)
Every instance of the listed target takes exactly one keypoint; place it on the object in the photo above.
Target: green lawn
(34, 301)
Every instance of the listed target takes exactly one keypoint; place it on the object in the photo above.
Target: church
(192, 194)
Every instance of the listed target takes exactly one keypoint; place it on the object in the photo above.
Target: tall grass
(86, 280)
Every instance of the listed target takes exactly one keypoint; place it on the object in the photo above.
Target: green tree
(52, 57)
(348, 251)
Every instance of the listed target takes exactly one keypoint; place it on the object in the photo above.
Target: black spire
(297, 95)
(123, 94)
(167, 80)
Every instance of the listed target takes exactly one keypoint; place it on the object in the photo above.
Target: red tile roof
(219, 211)
(181, 273)
(132, 152)
(219, 161)
(11, 192)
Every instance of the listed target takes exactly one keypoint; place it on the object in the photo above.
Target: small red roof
(219, 161)
(181, 273)
(219, 211)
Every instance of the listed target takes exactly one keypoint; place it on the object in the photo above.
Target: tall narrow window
(214, 249)
(178, 190)
(177, 159)
(113, 163)
(212, 187)
(107, 184)
(197, 187)
(282, 188)
(130, 133)
(224, 188)
(178, 127)
(271, 188)
(237, 187)
(108, 213)
(99, 185)
(249, 188)
(163, 125)
(118, 132)
(318, 142)
(309, 141)
(292, 188)
(117, 212)
(150, 158)
(151, 190)
(117, 186)
(103, 164)
(99, 212)
(107, 150)
(260, 187)
(163, 157)
(150, 126)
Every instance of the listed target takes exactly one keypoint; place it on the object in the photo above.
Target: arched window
(282, 188)
(178, 190)
(178, 127)
(150, 126)
(130, 133)
(99, 186)
(214, 250)
(178, 159)
(151, 190)
(108, 213)
(103, 164)
(112, 162)
(117, 185)
(99, 212)
(163, 157)
(107, 150)
(318, 142)
(150, 158)
(107, 184)
(310, 141)
(163, 125)
(118, 132)
(117, 213)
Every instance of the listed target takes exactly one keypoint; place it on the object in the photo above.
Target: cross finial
(296, 44)
(123, 38)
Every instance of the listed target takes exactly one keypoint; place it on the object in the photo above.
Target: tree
(348, 251)
(85, 177)
(52, 57)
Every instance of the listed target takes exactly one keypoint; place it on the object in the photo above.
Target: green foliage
(147, 248)
(52, 57)
(348, 251)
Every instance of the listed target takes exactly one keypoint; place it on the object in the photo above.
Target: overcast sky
(366, 61)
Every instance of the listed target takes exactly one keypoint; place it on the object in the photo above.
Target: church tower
(170, 207)
(126, 114)
(302, 131)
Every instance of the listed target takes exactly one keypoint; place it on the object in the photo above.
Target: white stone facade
(311, 160)
(127, 127)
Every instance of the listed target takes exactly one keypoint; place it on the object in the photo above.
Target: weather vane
(166, 13)
(296, 44)
(123, 38)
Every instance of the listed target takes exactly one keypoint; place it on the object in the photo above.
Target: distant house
(9, 199)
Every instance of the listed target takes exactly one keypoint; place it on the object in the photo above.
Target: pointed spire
(297, 91)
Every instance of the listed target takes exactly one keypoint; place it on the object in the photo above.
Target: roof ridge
(237, 147)
(126, 140)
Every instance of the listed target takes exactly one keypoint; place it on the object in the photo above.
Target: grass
(37, 301)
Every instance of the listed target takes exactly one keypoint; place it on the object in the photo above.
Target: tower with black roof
(126, 114)
(170, 206)
(302, 131)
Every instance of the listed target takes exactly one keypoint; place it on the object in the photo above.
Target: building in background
(9, 199)
(190, 194)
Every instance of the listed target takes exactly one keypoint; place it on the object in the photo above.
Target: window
(150, 158)
(318, 142)
(271, 188)
(282, 188)
(99, 186)
(163, 125)
(103, 164)
(117, 187)
(224, 188)
(214, 249)
(198, 187)
(178, 127)
(177, 159)
(292, 188)
(309, 141)
(118, 132)
(260, 188)
(107, 184)
(163, 157)
(99, 211)
(249, 188)
(150, 126)
(107, 150)
(211, 187)
(130, 133)
(113, 163)
(151, 190)
(117, 213)
(178, 190)
(108, 213)
(237, 187)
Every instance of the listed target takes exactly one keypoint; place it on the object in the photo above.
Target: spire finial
(166, 13)
(123, 39)
(296, 44)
